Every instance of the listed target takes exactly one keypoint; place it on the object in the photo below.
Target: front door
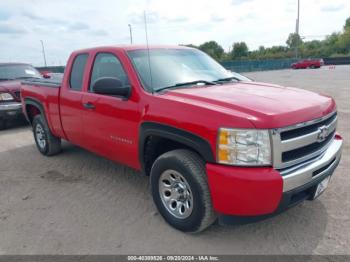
(110, 123)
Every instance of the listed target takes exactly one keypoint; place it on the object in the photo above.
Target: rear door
(71, 108)
(110, 123)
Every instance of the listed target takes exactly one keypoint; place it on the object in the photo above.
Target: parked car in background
(214, 143)
(55, 77)
(45, 73)
(11, 75)
(308, 63)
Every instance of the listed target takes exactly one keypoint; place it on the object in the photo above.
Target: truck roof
(134, 47)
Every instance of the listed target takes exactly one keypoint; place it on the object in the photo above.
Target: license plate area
(321, 187)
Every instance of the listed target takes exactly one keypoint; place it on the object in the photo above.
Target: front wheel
(46, 142)
(180, 191)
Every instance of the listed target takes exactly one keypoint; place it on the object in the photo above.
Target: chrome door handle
(89, 105)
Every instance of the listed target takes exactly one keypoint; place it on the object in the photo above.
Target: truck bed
(43, 82)
(46, 92)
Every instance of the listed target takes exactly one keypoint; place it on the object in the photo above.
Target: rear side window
(77, 74)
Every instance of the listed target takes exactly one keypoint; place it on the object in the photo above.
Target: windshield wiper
(205, 82)
(6, 79)
(228, 79)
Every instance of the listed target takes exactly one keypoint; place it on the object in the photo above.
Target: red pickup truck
(214, 143)
(308, 63)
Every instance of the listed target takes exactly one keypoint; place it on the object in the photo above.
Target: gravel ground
(79, 203)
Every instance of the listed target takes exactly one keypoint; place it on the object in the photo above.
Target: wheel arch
(32, 108)
(156, 139)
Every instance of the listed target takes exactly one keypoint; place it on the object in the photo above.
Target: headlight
(244, 147)
(6, 97)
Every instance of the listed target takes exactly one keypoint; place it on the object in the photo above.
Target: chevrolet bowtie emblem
(323, 133)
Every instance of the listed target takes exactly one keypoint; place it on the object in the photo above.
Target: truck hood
(267, 105)
(12, 87)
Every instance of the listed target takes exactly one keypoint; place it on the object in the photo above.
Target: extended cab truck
(213, 143)
(11, 75)
(308, 63)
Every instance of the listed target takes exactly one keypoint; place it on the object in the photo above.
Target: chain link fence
(258, 65)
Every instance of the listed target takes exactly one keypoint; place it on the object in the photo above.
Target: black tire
(192, 167)
(2, 124)
(52, 145)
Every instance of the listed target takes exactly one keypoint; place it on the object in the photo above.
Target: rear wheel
(46, 142)
(180, 191)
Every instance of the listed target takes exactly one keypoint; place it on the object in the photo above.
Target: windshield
(10, 72)
(170, 67)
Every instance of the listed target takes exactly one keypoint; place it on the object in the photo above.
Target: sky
(67, 25)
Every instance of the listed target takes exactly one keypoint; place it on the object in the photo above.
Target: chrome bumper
(311, 170)
(10, 106)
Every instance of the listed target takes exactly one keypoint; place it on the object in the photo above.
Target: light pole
(130, 31)
(297, 29)
(298, 17)
(43, 50)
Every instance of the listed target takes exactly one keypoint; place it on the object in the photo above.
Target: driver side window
(107, 65)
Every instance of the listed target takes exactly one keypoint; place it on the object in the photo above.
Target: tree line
(334, 45)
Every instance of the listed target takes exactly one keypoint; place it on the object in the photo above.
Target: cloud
(99, 32)
(216, 18)
(43, 20)
(249, 16)
(179, 19)
(51, 23)
(32, 16)
(239, 2)
(78, 26)
(203, 27)
(138, 18)
(4, 15)
(332, 8)
(10, 29)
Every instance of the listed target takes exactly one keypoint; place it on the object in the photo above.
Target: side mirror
(111, 86)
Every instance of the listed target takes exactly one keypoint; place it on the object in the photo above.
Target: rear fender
(37, 104)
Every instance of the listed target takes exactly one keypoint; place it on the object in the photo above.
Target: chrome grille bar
(308, 134)
(306, 139)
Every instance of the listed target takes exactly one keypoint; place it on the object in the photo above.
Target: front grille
(299, 143)
(306, 129)
(306, 150)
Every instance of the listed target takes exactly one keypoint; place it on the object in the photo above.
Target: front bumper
(264, 191)
(9, 110)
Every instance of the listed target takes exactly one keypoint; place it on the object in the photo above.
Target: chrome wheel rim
(40, 136)
(176, 194)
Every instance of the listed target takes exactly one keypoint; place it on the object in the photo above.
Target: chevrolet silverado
(214, 143)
